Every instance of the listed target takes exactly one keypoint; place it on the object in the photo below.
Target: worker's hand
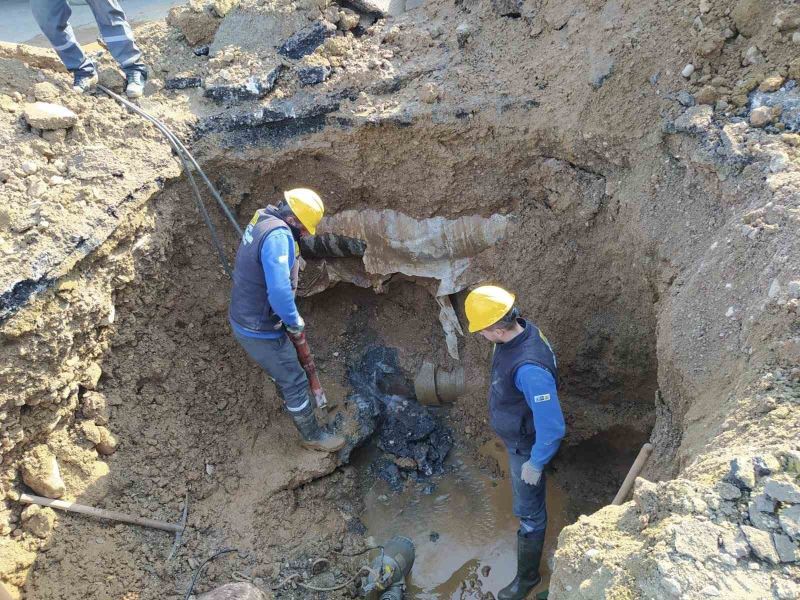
(297, 329)
(530, 474)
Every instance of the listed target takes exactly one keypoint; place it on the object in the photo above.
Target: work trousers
(528, 500)
(279, 359)
(53, 19)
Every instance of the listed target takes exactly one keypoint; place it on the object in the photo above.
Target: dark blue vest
(249, 305)
(511, 417)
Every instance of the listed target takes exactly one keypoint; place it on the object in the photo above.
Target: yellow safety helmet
(306, 206)
(486, 305)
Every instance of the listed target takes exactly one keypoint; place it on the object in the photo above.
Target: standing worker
(525, 413)
(53, 19)
(262, 303)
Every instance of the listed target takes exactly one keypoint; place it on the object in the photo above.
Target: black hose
(165, 130)
(203, 566)
(183, 154)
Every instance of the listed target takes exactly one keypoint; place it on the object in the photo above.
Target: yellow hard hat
(306, 206)
(486, 305)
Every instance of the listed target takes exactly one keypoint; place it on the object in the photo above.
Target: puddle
(463, 526)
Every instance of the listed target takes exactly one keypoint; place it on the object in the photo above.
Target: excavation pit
(654, 243)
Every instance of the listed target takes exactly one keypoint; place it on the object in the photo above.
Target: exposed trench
(193, 414)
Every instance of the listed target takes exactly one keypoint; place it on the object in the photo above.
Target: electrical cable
(183, 154)
(165, 130)
(203, 565)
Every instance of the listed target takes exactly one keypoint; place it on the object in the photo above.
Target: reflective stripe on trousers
(53, 19)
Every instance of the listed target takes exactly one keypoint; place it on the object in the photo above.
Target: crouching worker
(525, 413)
(262, 304)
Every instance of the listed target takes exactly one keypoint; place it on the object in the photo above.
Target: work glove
(297, 329)
(530, 474)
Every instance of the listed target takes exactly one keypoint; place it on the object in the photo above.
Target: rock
(709, 591)
(697, 539)
(762, 503)
(747, 15)
(687, 70)
(787, 19)
(794, 289)
(44, 115)
(710, 44)
(337, 46)
(752, 56)
(234, 591)
(196, 24)
(706, 95)
(705, 6)
(104, 441)
(761, 544)
(771, 84)
(761, 520)
(40, 472)
(787, 551)
(742, 474)
(789, 519)
(728, 491)
(463, 32)
(734, 543)
(39, 520)
(95, 406)
(429, 93)
(91, 377)
(507, 8)
(254, 88)
(696, 119)
(348, 20)
(685, 98)
(312, 75)
(796, 37)
(29, 167)
(220, 8)
(782, 491)
(766, 465)
(380, 7)
(672, 586)
(44, 91)
(182, 83)
(307, 39)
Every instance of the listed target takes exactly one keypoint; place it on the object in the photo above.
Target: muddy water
(463, 526)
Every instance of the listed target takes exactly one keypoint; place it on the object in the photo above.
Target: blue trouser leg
(528, 500)
(117, 34)
(279, 359)
(53, 19)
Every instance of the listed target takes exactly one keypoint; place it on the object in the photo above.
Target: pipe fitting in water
(392, 567)
(435, 386)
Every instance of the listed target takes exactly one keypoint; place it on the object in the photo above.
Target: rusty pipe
(307, 362)
(630, 478)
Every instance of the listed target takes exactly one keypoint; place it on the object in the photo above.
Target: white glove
(301, 325)
(530, 474)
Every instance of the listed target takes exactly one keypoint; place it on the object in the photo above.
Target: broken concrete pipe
(434, 386)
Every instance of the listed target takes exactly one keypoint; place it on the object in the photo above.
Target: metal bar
(307, 362)
(99, 513)
(636, 468)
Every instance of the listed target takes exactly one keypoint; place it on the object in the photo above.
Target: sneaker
(134, 87)
(84, 82)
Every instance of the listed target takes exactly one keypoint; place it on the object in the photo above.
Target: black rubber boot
(314, 438)
(529, 554)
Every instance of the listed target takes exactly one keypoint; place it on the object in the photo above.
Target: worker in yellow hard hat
(525, 413)
(263, 304)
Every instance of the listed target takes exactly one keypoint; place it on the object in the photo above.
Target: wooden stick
(99, 513)
(636, 468)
